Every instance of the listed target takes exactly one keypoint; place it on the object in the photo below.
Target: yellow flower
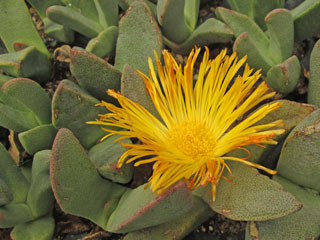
(200, 123)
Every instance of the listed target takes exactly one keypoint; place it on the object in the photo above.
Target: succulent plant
(298, 169)
(96, 20)
(51, 29)
(256, 9)
(28, 56)
(314, 83)
(26, 205)
(271, 50)
(80, 166)
(25, 109)
(306, 18)
(178, 21)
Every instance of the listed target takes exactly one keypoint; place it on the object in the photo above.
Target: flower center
(192, 138)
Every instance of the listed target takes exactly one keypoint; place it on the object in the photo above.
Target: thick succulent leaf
(133, 87)
(15, 120)
(104, 44)
(244, 45)
(139, 32)
(107, 12)
(94, 74)
(105, 156)
(40, 197)
(41, 228)
(32, 96)
(6, 195)
(291, 113)
(284, 77)
(124, 5)
(306, 19)
(73, 19)
(23, 105)
(177, 18)
(77, 186)
(51, 29)
(86, 8)
(262, 8)
(28, 62)
(11, 175)
(4, 79)
(72, 107)
(177, 228)
(17, 26)
(314, 80)
(38, 138)
(41, 6)
(250, 197)
(281, 34)
(242, 6)
(209, 32)
(303, 224)
(300, 155)
(240, 23)
(14, 214)
(58, 31)
(140, 208)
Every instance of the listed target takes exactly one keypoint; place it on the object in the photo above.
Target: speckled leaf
(139, 32)
(105, 156)
(300, 155)
(94, 74)
(140, 208)
(209, 32)
(77, 186)
(178, 228)
(314, 80)
(124, 5)
(72, 107)
(250, 197)
(285, 76)
(133, 87)
(303, 224)
(291, 113)
(42, 228)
